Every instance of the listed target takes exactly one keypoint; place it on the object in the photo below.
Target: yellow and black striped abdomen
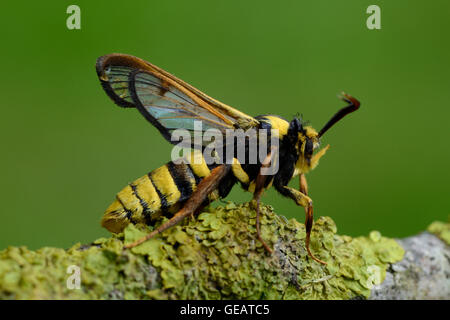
(160, 192)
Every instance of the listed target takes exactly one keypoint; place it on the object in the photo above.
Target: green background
(67, 149)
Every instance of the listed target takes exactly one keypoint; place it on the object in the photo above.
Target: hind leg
(260, 182)
(204, 188)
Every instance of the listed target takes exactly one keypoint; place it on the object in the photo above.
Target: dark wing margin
(165, 133)
(113, 70)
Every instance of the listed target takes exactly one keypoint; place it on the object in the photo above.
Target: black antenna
(353, 106)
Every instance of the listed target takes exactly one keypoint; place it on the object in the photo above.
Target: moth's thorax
(306, 143)
(278, 125)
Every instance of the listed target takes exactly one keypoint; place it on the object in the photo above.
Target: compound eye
(309, 147)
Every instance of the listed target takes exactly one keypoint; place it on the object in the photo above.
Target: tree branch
(217, 256)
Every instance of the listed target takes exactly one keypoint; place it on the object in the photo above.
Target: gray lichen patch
(423, 273)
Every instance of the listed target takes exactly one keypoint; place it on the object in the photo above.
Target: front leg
(303, 184)
(303, 200)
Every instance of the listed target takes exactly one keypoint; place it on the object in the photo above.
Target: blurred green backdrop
(67, 149)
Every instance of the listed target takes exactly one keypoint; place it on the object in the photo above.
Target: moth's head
(306, 141)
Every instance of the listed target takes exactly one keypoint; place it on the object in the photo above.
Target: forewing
(166, 101)
(114, 72)
(169, 108)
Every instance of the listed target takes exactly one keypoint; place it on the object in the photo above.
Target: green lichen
(215, 256)
(441, 230)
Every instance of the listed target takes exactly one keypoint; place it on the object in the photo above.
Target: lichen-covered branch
(215, 256)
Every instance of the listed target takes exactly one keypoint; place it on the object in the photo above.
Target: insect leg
(304, 190)
(303, 200)
(303, 184)
(259, 188)
(199, 209)
(205, 187)
(309, 216)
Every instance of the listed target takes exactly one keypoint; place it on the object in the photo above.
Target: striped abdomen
(160, 192)
(164, 190)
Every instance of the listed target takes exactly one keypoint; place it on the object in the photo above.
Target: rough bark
(423, 273)
(217, 256)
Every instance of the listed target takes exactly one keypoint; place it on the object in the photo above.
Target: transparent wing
(171, 108)
(166, 101)
(114, 80)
